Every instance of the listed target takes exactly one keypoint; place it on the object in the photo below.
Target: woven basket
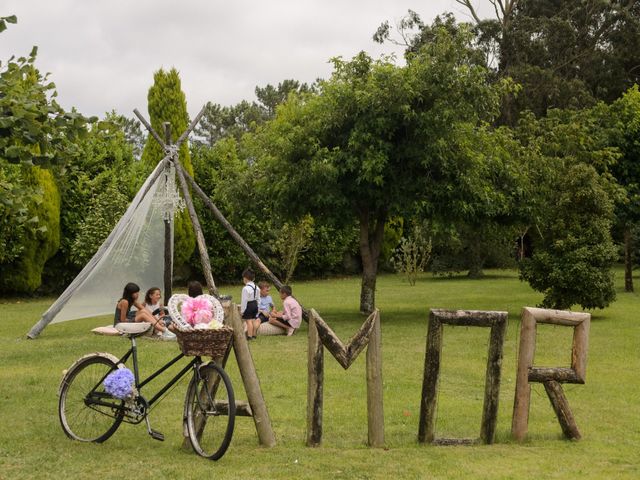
(205, 343)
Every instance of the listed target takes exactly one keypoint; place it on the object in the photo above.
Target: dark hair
(249, 274)
(194, 288)
(147, 297)
(263, 283)
(286, 289)
(129, 289)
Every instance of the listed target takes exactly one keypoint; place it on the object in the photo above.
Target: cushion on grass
(268, 329)
(108, 330)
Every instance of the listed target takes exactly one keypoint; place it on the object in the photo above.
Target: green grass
(606, 408)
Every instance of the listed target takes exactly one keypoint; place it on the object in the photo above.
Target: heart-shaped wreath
(201, 312)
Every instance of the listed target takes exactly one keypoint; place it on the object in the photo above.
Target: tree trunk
(628, 260)
(371, 235)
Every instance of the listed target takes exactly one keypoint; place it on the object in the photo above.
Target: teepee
(140, 247)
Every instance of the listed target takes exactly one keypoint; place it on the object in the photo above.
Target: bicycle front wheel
(88, 413)
(210, 411)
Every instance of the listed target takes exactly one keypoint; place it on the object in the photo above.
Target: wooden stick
(580, 349)
(315, 384)
(150, 129)
(558, 374)
(375, 410)
(345, 354)
(492, 382)
(429, 399)
(469, 318)
(168, 237)
(251, 382)
(520, 420)
(189, 129)
(202, 246)
(234, 234)
(558, 317)
(562, 409)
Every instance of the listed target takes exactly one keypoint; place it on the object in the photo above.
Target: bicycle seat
(133, 329)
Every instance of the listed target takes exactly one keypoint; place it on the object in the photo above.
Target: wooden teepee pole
(232, 231)
(202, 246)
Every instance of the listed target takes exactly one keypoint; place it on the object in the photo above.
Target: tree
(624, 121)
(571, 194)
(572, 257)
(219, 122)
(35, 132)
(564, 54)
(377, 138)
(167, 103)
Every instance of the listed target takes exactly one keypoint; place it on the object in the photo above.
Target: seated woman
(290, 317)
(153, 304)
(124, 312)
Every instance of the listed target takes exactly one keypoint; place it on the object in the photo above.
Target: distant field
(607, 408)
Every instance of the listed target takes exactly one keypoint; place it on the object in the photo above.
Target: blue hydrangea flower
(119, 383)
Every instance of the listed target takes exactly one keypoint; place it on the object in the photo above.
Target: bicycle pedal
(156, 435)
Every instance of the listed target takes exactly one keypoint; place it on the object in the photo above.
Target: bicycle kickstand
(156, 435)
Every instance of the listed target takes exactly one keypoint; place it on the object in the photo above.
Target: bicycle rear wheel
(210, 411)
(87, 413)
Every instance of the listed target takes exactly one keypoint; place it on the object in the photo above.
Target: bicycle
(88, 413)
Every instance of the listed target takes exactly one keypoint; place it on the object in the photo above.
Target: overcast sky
(102, 54)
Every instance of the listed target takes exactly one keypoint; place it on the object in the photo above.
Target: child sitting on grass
(290, 317)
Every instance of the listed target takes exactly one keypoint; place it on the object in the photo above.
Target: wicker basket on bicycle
(205, 343)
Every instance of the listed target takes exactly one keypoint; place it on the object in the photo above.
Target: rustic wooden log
(580, 349)
(429, 398)
(202, 246)
(232, 231)
(559, 374)
(557, 317)
(550, 377)
(191, 126)
(563, 411)
(168, 238)
(315, 384)
(468, 318)
(454, 442)
(497, 321)
(375, 407)
(492, 382)
(522, 399)
(150, 129)
(345, 354)
(251, 382)
(243, 409)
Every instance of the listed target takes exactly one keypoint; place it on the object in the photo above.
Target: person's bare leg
(256, 326)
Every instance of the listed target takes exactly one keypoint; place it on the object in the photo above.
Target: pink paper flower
(197, 310)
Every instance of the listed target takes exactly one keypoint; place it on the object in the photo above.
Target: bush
(572, 258)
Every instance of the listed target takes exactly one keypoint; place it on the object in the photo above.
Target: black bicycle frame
(133, 351)
(139, 384)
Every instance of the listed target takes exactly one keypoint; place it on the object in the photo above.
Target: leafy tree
(572, 257)
(377, 138)
(167, 103)
(219, 122)
(624, 122)
(35, 132)
(570, 206)
(292, 242)
(106, 164)
(24, 273)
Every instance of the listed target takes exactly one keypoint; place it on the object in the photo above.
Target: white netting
(133, 252)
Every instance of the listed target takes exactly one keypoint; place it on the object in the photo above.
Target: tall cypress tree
(167, 103)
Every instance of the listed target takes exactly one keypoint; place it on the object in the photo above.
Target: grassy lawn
(606, 408)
